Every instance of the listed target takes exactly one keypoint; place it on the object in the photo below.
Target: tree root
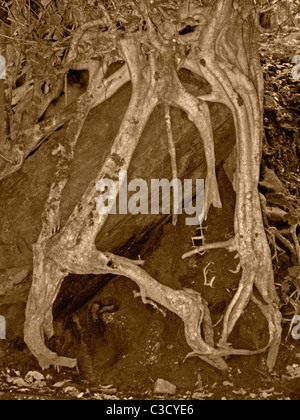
(39, 320)
(229, 245)
(238, 85)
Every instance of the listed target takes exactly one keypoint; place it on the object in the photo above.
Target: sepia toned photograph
(150, 203)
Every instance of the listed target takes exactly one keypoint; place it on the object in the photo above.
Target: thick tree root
(39, 310)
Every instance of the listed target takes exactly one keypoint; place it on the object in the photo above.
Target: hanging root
(172, 153)
(198, 113)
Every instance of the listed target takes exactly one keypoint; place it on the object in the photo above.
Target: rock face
(23, 194)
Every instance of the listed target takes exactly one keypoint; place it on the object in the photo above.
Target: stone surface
(163, 387)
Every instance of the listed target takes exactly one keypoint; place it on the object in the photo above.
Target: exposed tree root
(71, 249)
(236, 81)
(244, 96)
